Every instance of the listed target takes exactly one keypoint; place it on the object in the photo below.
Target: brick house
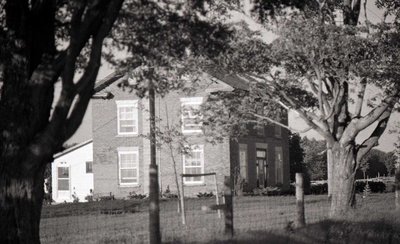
(121, 156)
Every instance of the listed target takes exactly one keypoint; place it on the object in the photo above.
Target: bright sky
(385, 144)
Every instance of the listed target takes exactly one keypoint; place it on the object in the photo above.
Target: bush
(267, 191)
(205, 194)
(318, 189)
(375, 186)
(167, 194)
(134, 195)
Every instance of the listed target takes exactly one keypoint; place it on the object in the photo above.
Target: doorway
(261, 167)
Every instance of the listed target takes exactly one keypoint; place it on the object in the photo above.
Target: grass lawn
(256, 219)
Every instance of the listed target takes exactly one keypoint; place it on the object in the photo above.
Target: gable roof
(73, 148)
(108, 80)
(229, 79)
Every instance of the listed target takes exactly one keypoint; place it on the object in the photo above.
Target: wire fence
(126, 221)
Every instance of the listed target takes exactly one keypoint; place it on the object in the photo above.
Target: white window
(63, 178)
(127, 117)
(193, 163)
(243, 160)
(128, 160)
(190, 111)
(278, 165)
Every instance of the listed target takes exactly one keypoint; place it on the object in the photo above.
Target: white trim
(123, 104)
(194, 148)
(66, 194)
(128, 150)
(190, 101)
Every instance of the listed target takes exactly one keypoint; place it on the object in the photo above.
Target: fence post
(228, 206)
(397, 185)
(301, 221)
(216, 195)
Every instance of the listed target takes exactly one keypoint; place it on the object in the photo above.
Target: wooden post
(154, 205)
(228, 206)
(301, 221)
(397, 185)
(216, 195)
(183, 214)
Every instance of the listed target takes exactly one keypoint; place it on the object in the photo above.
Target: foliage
(375, 186)
(390, 162)
(375, 163)
(296, 155)
(267, 191)
(319, 67)
(167, 193)
(315, 158)
(317, 189)
(134, 195)
(205, 194)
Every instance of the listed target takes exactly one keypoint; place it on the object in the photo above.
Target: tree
(319, 68)
(315, 158)
(32, 62)
(374, 164)
(296, 156)
(390, 162)
(42, 42)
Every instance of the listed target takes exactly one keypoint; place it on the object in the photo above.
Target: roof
(230, 79)
(108, 80)
(73, 148)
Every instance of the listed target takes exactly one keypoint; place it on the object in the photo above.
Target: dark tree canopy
(46, 42)
(296, 156)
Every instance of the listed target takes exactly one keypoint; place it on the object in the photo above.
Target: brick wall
(217, 158)
(106, 141)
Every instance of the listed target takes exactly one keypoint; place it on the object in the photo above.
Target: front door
(262, 165)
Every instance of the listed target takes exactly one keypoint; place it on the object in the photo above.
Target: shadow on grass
(328, 231)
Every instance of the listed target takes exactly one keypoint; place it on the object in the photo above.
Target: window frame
(128, 150)
(194, 148)
(67, 179)
(91, 167)
(125, 104)
(190, 101)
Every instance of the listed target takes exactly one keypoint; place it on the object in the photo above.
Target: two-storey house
(121, 154)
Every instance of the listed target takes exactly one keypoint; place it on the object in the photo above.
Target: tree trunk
(343, 179)
(21, 198)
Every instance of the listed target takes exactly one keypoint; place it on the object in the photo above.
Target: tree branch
(373, 139)
(278, 123)
(98, 20)
(360, 98)
(376, 113)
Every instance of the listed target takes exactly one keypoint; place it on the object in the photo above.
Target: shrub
(89, 198)
(107, 198)
(205, 194)
(318, 189)
(167, 193)
(134, 195)
(375, 186)
(267, 191)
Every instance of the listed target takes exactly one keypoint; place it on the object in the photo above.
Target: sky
(386, 142)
